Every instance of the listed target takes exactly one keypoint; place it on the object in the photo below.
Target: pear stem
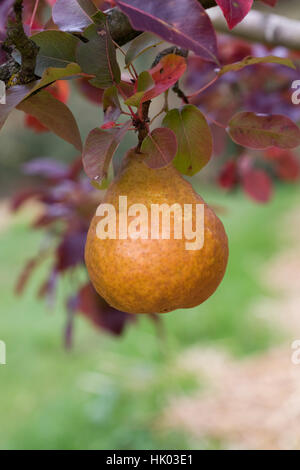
(142, 124)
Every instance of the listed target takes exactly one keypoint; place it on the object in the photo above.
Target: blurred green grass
(107, 393)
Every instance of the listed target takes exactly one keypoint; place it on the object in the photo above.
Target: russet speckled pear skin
(155, 276)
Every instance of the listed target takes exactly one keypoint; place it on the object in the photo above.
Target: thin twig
(204, 87)
(142, 124)
(33, 14)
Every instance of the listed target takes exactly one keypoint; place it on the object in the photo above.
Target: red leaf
(34, 124)
(234, 10)
(228, 177)
(257, 184)
(286, 164)
(108, 125)
(184, 23)
(126, 88)
(288, 168)
(92, 93)
(61, 91)
(53, 114)
(260, 131)
(164, 75)
(99, 148)
(160, 147)
(25, 275)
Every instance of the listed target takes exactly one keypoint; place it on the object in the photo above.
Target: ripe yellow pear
(147, 275)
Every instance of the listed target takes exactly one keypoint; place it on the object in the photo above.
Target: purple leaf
(68, 336)
(73, 15)
(46, 167)
(102, 315)
(99, 148)
(5, 7)
(257, 184)
(260, 131)
(48, 288)
(23, 196)
(3, 56)
(184, 23)
(14, 96)
(160, 147)
(70, 252)
(235, 10)
(55, 115)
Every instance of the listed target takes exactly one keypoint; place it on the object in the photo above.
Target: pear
(154, 275)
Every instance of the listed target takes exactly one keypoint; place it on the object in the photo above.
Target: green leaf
(135, 99)
(271, 59)
(141, 44)
(52, 74)
(54, 114)
(145, 82)
(57, 49)
(193, 136)
(99, 18)
(98, 57)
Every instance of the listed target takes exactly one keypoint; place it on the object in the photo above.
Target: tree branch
(270, 29)
(260, 27)
(17, 39)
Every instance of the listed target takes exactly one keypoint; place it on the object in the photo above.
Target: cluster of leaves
(218, 82)
(264, 89)
(68, 203)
